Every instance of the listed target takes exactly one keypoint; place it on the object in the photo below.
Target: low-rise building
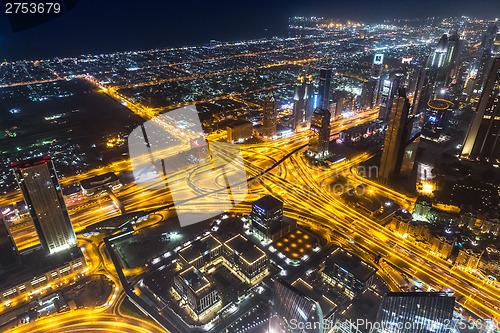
(239, 131)
(246, 258)
(194, 288)
(91, 186)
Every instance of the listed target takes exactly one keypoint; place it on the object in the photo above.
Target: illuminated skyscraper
(438, 58)
(486, 56)
(320, 128)
(415, 312)
(375, 77)
(293, 312)
(325, 78)
(9, 257)
(481, 141)
(37, 179)
(395, 138)
(387, 93)
(270, 117)
(453, 53)
(302, 100)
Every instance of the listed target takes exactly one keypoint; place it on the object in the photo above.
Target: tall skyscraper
(37, 179)
(481, 141)
(9, 257)
(320, 128)
(486, 56)
(395, 137)
(453, 54)
(325, 78)
(375, 76)
(292, 311)
(438, 58)
(387, 93)
(270, 117)
(415, 312)
(302, 100)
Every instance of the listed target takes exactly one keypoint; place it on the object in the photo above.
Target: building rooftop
(253, 254)
(418, 294)
(99, 180)
(365, 306)
(195, 281)
(238, 243)
(360, 269)
(239, 122)
(194, 250)
(268, 202)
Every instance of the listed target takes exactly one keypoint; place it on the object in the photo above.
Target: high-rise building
(375, 76)
(302, 101)
(389, 89)
(37, 179)
(270, 117)
(325, 78)
(486, 56)
(292, 311)
(395, 137)
(438, 58)
(320, 128)
(453, 54)
(415, 312)
(481, 141)
(9, 257)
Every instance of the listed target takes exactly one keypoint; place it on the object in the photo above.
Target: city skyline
(340, 178)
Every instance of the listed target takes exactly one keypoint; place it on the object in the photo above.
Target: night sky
(100, 26)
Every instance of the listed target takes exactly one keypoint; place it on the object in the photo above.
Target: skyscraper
(37, 179)
(302, 100)
(320, 128)
(270, 117)
(292, 311)
(486, 56)
(481, 141)
(395, 137)
(389, 89)
(325, 78)
(415, 312)
(375, 77)
(9, 257)
(453, 54)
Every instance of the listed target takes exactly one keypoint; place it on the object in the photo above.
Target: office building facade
(415, 312)
(481, 141)
(395, 138)
(270, 117)
(320, 136)
(37, 179)
(293, 312)
(325, 78)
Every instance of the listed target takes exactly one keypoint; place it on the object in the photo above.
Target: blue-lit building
(293, 312)
(415, 312)
(268, 222)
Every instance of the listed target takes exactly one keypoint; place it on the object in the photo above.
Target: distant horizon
(92, 27)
